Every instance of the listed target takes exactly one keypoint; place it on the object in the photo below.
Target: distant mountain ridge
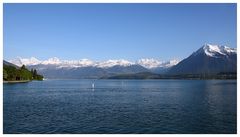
(147, 63)
(5, 63)
(209, 59)
(50, 71)
(85, 68)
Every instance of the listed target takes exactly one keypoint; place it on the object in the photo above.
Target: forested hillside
(13, 73)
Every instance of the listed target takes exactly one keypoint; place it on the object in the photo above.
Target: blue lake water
(120, 106)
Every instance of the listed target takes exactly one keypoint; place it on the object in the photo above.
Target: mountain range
(209, 59)
(147, 63)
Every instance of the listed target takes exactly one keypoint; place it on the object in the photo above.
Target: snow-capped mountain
(111, 63)
(85, 68)
(52, 61)
(209, 59)
(24, 61)
(147, 63)
(216, 51)
(153, 63)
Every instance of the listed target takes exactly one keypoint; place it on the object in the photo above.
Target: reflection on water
(120, 106)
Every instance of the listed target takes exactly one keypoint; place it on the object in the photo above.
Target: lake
(120, 106)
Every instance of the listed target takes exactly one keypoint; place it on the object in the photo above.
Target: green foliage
(5, 75)
(11, 73)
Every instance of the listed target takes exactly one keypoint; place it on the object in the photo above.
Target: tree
(23, 67)
(34, 72)
(5, 75)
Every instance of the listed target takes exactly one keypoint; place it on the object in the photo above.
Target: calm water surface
(120, 106)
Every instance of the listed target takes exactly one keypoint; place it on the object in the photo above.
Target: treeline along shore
(148, 75)
(13, 74)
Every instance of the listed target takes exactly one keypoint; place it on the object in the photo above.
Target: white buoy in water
(93, 86)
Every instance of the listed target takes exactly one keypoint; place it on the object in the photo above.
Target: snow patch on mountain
(77, 63)
(51, 61)
(149, 63)
(170, 63)
(153, 63)
(111, 63)
(216, 50)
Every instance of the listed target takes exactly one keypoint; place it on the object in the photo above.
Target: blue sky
(115, 31)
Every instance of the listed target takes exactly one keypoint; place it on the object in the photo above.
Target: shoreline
(17, 81)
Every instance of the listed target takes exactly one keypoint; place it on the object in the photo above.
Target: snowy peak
(76, 63)
(147, 63)
(209, 59)
(70, 63)
(53, 60)
(24, 61)
(153, 63)
(111, 63)
(216, 50)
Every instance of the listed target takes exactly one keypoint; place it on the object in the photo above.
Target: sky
(115, 31)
